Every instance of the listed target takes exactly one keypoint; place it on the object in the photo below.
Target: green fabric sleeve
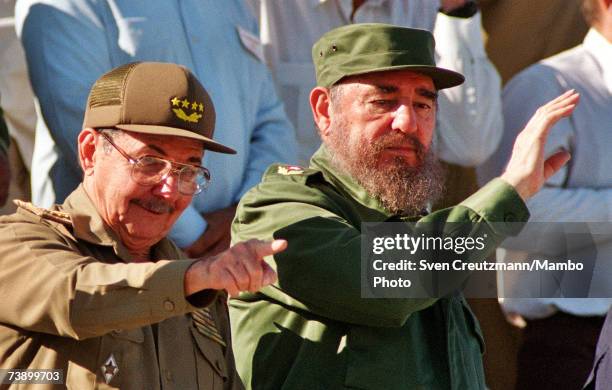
(320, 271)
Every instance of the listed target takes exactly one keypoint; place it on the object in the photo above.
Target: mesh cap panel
(108, 90)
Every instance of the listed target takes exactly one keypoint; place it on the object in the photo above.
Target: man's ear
(87, 150)
(320, 103)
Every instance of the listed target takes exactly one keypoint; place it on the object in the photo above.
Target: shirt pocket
(138, 37)
(81, 371)
(119, 354)
(211, 366)
(383, 358)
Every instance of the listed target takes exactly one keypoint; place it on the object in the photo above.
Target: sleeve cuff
(167, 286)
(499, 203)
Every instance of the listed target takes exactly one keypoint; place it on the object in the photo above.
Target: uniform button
(510, 217)
(168, 375)
(168, 305)
(117, 331)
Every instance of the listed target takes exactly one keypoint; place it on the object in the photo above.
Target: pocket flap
(134, 335)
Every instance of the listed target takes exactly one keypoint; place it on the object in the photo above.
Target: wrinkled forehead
(388, 83)
(395, 77)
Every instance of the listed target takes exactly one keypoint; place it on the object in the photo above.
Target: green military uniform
(312, 330)
(72, 301)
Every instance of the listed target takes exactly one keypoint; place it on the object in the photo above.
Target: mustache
(399, 139)
(154, 205)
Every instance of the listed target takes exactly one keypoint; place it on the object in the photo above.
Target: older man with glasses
(94, 295)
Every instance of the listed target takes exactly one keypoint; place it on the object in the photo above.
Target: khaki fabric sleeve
(48, 286)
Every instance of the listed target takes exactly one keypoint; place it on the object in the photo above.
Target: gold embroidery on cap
(193, 117)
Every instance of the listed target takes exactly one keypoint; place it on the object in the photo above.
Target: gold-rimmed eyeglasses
(151, 170)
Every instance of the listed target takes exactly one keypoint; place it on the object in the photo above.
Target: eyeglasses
(149, 170)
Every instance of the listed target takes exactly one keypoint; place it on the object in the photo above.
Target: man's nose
(404, 119)
(169, 185)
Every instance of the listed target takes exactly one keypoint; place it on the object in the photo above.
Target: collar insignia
(287, 170)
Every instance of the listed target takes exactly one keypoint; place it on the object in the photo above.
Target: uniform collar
(322, 161)
(87, 225)
(601, 49)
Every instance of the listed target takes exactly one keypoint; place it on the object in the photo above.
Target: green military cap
(375, 47)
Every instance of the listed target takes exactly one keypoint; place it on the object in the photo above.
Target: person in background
(560, 334)
(522, 32)
(70, 43)
(17, 102)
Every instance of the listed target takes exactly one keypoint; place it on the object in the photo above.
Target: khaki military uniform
(312, 330)
(71, 300)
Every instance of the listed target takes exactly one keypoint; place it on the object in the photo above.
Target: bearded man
(375, 107)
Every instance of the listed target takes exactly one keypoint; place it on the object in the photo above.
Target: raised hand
(239, 268)
(527, 169)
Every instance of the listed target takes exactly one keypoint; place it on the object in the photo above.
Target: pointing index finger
(266, 248)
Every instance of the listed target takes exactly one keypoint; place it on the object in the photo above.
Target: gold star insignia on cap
(183, 115)
(109, 369)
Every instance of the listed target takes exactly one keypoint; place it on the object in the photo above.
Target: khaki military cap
(375, 47)
(153, 98)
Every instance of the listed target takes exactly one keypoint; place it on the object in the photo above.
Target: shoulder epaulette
(51, 215)
(284, 170)
(287, 170)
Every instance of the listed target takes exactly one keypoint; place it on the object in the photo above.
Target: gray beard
(401, 189)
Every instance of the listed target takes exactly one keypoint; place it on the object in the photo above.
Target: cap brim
(442, 78)
(209, 144)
